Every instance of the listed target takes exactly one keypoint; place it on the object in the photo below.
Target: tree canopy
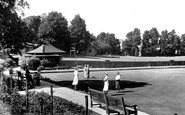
(111, 43)
(79, 35)
(13, 32)
(54, 29)
(130, 45)
(16, 33)
(150, 42)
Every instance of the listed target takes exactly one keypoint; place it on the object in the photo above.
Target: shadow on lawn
(98, 84)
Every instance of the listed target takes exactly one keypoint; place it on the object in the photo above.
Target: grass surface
(155, 91)
(126, 58)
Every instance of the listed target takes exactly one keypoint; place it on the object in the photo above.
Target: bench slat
(112, 103)
(118, 104)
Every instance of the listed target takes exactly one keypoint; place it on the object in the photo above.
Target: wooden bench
(118, 104)
(96, 96)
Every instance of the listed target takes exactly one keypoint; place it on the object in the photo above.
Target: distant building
(92, 50)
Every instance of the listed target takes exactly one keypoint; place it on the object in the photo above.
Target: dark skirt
(117, 84)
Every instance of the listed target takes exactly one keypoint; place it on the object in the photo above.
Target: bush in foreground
(17, 103)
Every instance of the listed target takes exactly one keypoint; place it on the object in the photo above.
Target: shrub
(17, 103)
(23, 66)
(44, 62)
(60, 106)
(47, 63)
(40, 68)
(8, 62)
(33, 63)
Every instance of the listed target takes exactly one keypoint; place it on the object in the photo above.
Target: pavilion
(49, 52)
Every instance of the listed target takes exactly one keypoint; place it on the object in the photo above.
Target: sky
(117, 16)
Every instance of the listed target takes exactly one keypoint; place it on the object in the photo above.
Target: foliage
(33, 23)
(13, 32)
(40, 68)
(23, 66)
(54, 29)
(46, 63)
(150, 43)
(79, 35)
(182, 44)
(169, 43)
(130, 45)
(102, 47)
(106, 39)
(8, 62)
(17, 102)
(33, 63)
(4, 89)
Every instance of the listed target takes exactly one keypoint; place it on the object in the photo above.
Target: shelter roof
(46, 49)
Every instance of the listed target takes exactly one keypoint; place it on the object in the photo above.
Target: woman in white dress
(106, 83)
(117, 79)
(85, 72)
(75, 80)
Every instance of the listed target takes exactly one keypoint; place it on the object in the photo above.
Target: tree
(169, 43)
(111, 40)
(54, 29)
(182, 44)
(33, 22)
(103, 48)
(13, 32)
(127, 47)
(130, 45)
(150, 43)
(79, 34)
(146, 47)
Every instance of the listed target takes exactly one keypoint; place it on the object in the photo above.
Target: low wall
(116, 64)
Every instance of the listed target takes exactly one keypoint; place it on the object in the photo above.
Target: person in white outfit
(75, 80)
(117, 79)
(85, 72)
(106, 83)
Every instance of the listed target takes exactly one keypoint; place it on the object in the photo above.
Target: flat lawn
(155, 91)
(125, 58)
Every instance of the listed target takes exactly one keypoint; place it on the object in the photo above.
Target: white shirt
(118, 77)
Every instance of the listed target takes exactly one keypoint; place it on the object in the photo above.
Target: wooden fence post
(26, 95)
(11, 85)
(86, 105)
(51, 100)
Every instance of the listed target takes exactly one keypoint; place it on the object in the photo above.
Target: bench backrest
(96, 95)
(115, 103)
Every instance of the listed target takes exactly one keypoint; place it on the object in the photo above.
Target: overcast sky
(117, 16)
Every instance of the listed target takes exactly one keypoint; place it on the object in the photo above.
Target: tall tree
(133, 39)
(146, 46)
(13, 32)
(33, 23)
(111, 40)
(182, 44)
(169, 43)
(79, 34)
(150, 43)
(102, 36)
(54, 29)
